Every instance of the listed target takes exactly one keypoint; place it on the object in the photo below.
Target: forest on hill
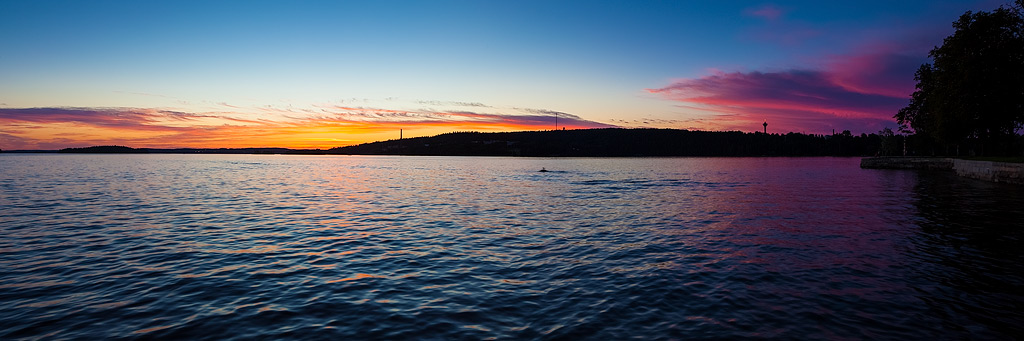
(632, 142)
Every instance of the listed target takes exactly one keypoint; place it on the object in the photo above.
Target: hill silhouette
(623, 142)
(104, 149)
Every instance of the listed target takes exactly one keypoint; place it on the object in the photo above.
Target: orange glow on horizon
(64, 128)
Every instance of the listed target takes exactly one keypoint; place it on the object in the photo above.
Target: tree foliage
(973, 91)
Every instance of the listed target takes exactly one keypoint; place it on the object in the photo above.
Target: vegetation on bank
(970, 99)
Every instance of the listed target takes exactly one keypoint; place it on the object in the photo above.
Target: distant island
(104, 149)
(130, 150)
(609, 142)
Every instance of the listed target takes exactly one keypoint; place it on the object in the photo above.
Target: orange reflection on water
(44, 304)
(216, 271)
(39, 284)
(258, 249)
(152, 329)
(357, 276)
(110, 305)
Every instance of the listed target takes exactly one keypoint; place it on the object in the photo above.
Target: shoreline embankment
(975, 169)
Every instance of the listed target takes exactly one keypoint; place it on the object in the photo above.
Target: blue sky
(672, 64)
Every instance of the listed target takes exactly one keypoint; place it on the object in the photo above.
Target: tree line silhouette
(970, 99)
(615, 142)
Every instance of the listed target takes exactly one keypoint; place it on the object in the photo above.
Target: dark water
(311, 247)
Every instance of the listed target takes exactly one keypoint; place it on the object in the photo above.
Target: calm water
(343, 247)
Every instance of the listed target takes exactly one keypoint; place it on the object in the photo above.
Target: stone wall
(899, 162)
(982, 170)
(990, 171)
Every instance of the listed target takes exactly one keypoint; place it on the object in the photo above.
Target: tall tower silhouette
(765, 126)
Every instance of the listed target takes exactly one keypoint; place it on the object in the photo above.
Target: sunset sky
(310, 74)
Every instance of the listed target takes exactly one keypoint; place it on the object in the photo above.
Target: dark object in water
(542, 170)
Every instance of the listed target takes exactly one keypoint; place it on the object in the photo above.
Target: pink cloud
(139, 119)
(768, 12)
(877, 71)
(48, 128)
(116, 118)
(535, 119)
(788, 36)
(860, 93)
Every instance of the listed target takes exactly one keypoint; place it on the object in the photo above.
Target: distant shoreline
(610, 142)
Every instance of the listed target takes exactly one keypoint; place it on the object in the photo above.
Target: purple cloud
(877, 70)
(860, 93)
(767, 12)
(105, 117)
(55, 128)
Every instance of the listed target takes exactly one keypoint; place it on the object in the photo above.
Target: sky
(322, 74)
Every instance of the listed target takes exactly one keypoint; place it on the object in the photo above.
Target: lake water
(383, 247)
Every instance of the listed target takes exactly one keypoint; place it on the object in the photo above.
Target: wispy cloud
(774, 28)
(701, 123)
(454, 103)
(860, 93)
(101, 117)
(320, 126)
(376, 118)
(767, 12)
(144, 94)
(876, 69)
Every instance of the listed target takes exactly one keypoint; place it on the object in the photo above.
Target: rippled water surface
(345, 247)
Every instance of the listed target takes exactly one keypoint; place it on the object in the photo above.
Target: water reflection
(969, 241)
(241, 246)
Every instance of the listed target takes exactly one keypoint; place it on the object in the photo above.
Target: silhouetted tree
(974, 89)
(888, 142)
